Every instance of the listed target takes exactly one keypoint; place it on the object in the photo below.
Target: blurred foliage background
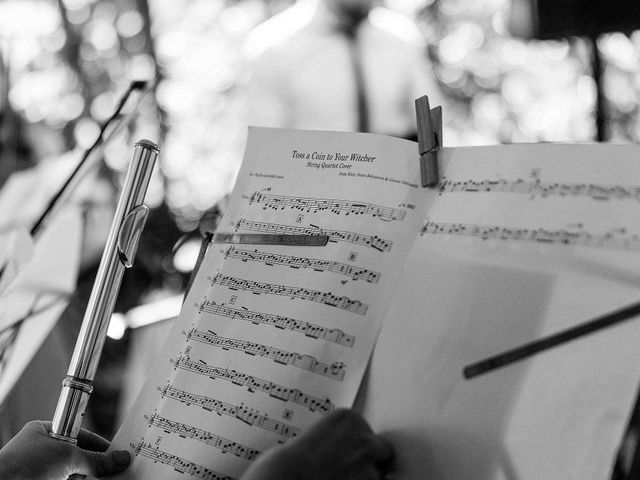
(63, 65)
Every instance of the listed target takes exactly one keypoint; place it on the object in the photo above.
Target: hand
(341, 446)
(34, 455)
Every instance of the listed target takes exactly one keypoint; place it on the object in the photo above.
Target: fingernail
(121, 458)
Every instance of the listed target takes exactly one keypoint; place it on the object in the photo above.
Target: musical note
(179, 464)
(353, 272)
(306, 362)
(543, 189)
(240, 412)
(335, 236)
(335, 206)
(253, 383)
(278, 321)
(618, 239)
(188, 431)
(326, 298)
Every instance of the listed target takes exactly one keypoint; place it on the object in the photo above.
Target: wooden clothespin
(429, 123)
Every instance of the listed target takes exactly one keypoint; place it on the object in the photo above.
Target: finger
(366, 473)
(46, 424)
(355, 421)
(86, 439)
(99, 464)
(91, 441)
(38, 427)
(383, 451)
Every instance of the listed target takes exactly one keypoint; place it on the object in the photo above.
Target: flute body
(119, 251)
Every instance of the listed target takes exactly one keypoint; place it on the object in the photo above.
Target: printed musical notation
(253, 383)
(614, 240)
(335, 236)
(319, 265)
(188, 431)
(308, 329)
(543, 189)
(334, 371)
(179, 464)
(336, 206)
(327, 298)
(247, 415)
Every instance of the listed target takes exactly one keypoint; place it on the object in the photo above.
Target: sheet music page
(520, 241)
(271, 338)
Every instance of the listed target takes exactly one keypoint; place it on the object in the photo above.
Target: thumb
(98, 464)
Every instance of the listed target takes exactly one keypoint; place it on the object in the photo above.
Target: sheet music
(520, 241)
(271, 338)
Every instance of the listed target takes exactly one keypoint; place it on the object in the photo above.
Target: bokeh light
(70, 61)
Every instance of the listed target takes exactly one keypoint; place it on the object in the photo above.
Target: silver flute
(120, 249)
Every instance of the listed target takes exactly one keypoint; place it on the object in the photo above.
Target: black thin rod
(53, 203)
(597, 73)
(529, 349)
